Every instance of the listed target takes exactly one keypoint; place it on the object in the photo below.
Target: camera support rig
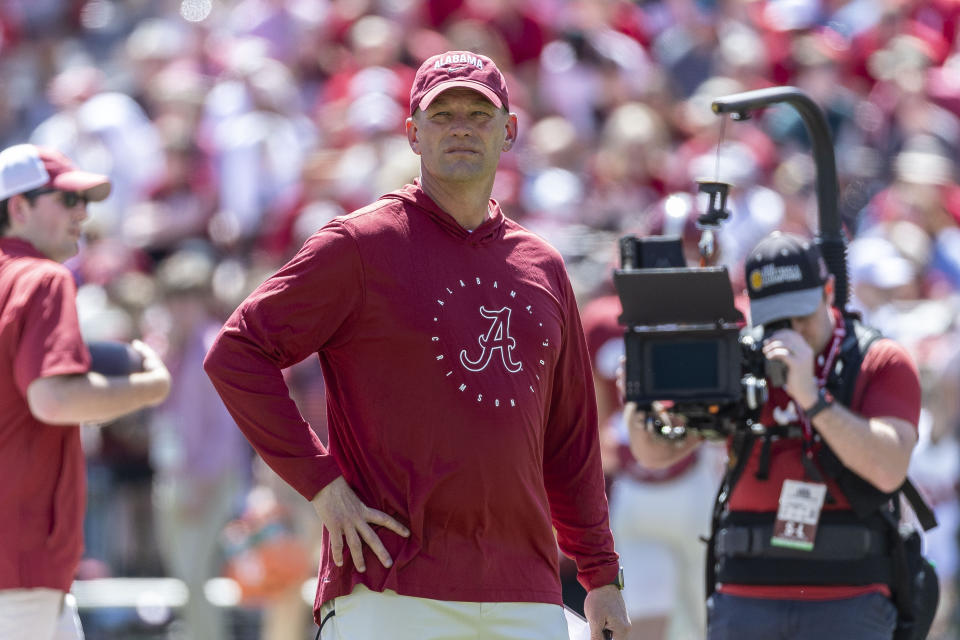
(829, 236)
(684, 340)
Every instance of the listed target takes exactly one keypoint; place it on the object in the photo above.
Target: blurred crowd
(233, 129)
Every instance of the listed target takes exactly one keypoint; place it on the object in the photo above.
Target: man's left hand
(604, 609)
(789, 347)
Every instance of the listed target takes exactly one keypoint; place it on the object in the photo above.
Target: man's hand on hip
(604, 609)
(346, 517)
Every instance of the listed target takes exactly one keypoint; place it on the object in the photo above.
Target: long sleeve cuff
(599, 576)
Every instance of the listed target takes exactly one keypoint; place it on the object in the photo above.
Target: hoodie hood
(413, 196)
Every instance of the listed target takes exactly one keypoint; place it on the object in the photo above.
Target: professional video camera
(686, 343)
(685, 340)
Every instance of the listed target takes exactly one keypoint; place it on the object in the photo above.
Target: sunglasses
(70, 199)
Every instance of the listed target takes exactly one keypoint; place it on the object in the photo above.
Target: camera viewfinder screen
(682, 365)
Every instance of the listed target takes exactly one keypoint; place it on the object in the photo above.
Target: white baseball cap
(25, 167)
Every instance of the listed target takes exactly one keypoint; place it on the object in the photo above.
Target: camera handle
(830, 234)
(709, 221)
(717, 212)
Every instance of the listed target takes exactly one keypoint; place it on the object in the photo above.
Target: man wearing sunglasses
(47, 388)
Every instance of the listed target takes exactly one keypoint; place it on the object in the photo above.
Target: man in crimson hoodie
(461, 411)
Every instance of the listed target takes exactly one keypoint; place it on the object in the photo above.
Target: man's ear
(512, 130)
(17, 207)
(412, 138)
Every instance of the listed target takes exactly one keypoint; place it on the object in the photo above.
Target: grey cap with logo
(785, 278)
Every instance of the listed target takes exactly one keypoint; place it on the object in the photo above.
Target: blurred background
(233, 129)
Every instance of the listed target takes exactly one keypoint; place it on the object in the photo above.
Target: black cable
(323, 622)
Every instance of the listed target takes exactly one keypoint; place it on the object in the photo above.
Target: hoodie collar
(491, 229)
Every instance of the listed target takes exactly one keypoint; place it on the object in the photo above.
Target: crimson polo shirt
(43, 492)
(459, 399)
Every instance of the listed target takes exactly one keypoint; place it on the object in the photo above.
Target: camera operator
(799, 548)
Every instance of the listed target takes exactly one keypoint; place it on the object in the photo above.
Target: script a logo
(497, 339)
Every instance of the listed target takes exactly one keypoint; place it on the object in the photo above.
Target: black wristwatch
(824, 401)
(618, 583)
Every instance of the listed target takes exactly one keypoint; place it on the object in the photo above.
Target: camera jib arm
(829, 237)
(683, 342)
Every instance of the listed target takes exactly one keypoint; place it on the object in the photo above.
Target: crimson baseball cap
(785, 278)
(24, 167)
(458, 69)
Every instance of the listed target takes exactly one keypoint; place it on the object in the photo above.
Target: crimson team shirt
(43, 492)
(460, 400)
(888, 386)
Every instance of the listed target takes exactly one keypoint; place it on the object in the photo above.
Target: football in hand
(112, 358)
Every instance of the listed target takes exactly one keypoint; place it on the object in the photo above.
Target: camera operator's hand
(652, 450)
(659, 416)
(789, 347)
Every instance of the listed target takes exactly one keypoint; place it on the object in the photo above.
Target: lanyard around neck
(839, 333)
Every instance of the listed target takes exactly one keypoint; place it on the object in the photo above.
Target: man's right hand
(153, 365)
(346, 517)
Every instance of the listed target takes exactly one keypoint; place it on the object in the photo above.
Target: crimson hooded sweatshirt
(459, 399)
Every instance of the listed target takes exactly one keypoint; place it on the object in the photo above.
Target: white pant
(656, 529)
(38, 614)
(189, 543)
(370, 615)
